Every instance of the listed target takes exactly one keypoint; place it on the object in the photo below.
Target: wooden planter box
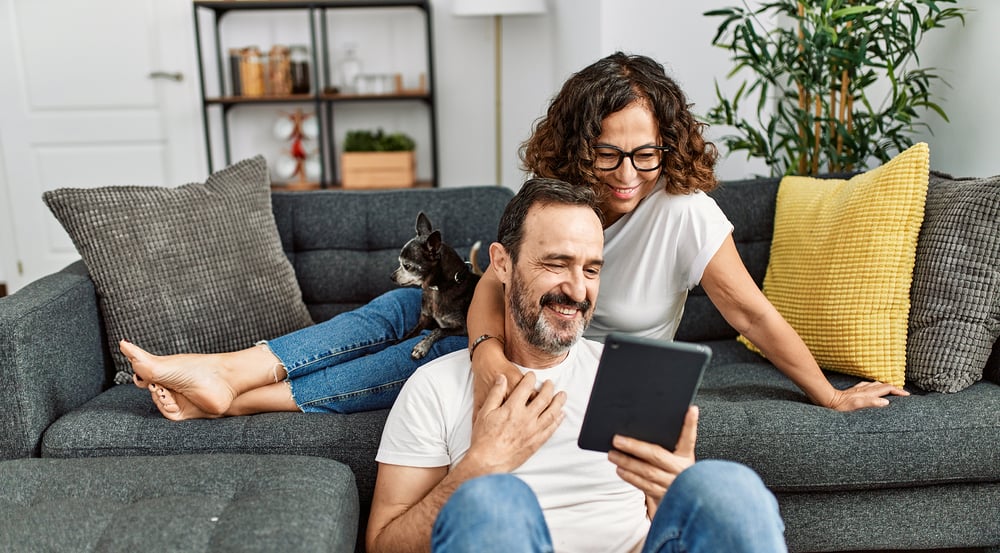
(378, 169)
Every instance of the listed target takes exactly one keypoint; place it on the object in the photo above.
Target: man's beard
(551, 338)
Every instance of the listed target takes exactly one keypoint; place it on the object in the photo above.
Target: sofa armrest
(52, 356)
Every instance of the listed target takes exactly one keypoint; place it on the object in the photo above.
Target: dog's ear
(434, 242)
(423, 224)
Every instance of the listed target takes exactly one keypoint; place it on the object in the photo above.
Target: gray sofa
(923, 473)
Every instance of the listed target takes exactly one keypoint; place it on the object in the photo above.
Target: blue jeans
(355, 361)
(712, 506)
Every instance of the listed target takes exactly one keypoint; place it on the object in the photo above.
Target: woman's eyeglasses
(644, 158)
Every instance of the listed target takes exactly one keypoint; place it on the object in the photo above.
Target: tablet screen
(643, 389)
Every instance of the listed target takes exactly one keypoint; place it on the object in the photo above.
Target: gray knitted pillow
(198, 268)
(955, 296)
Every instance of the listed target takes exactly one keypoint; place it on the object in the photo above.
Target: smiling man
(512, 478)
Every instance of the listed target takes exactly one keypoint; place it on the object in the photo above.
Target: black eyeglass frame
(622, 154)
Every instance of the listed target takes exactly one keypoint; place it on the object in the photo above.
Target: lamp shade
(497, 7)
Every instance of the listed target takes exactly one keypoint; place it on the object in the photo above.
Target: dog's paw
(420, 350)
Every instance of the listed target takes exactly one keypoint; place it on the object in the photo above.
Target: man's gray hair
(539, 191)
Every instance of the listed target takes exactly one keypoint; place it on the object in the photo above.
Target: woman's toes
(163, 399)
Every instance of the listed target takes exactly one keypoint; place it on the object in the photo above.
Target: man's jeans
(712, 506)
(355, 361)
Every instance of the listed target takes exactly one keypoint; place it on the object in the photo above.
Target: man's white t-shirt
(587, 507)
(652, 257)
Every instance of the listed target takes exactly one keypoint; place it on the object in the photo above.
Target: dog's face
(420, 255)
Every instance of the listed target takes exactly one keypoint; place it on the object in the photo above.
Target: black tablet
(642, 390)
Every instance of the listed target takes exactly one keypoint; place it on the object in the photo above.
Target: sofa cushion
(946, 518)
(123, 422)
(198, 268)
(842, 260)
(345, 244)
(955, 312)
(180, 503)
(751, 414)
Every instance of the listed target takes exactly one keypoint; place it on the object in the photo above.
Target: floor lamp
(498, 9)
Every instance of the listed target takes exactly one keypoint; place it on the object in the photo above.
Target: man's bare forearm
(506, 433)
(410, 532)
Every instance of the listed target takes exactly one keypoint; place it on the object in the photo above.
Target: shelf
(278, 187)
(320, 13)
(228, 5)
(231, 100)
(375, 97)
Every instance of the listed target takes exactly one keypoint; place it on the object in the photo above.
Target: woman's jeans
(355, 361)
(712, 506)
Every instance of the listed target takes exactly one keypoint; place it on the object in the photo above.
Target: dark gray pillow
(197, 268)
(955, 297)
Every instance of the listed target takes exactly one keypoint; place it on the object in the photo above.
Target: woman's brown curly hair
(561, 145)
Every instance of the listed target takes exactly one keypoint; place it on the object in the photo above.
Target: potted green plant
(832, 85)
(374, 159)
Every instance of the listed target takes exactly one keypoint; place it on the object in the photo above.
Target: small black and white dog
(448, 283)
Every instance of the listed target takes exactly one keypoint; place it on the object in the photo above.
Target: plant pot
(378, 169)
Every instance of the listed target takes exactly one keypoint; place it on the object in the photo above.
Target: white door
(81, 106)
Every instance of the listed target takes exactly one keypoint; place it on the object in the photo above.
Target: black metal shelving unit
(323, 103)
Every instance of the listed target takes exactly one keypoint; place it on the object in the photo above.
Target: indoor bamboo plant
(832, 84)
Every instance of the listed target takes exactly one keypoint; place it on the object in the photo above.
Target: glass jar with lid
(350, 69)
(279, 71)
(299, 67)
(252, 72)
(235, 60)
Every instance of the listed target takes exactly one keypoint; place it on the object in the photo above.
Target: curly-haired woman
(623, 127)
(620, 126)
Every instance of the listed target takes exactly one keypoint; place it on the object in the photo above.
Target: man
(512, 478)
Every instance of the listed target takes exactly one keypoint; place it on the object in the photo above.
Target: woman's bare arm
(486, 316)
(744, 306)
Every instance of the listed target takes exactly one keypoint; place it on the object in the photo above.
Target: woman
(621, 126)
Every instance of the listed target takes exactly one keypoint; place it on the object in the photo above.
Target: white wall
(577, 33)
(466, 92)
(673, 32)
(968, 60)
(465, 97)
(677, 34)
(578, 28)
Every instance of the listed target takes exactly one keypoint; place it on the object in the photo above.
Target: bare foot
(175, 407)
(192, 384)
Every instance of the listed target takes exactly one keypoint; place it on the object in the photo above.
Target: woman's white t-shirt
(652, 257)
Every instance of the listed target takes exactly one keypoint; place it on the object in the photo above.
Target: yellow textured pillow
(842, 262)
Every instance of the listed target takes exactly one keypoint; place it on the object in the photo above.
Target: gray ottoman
(183, 503)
